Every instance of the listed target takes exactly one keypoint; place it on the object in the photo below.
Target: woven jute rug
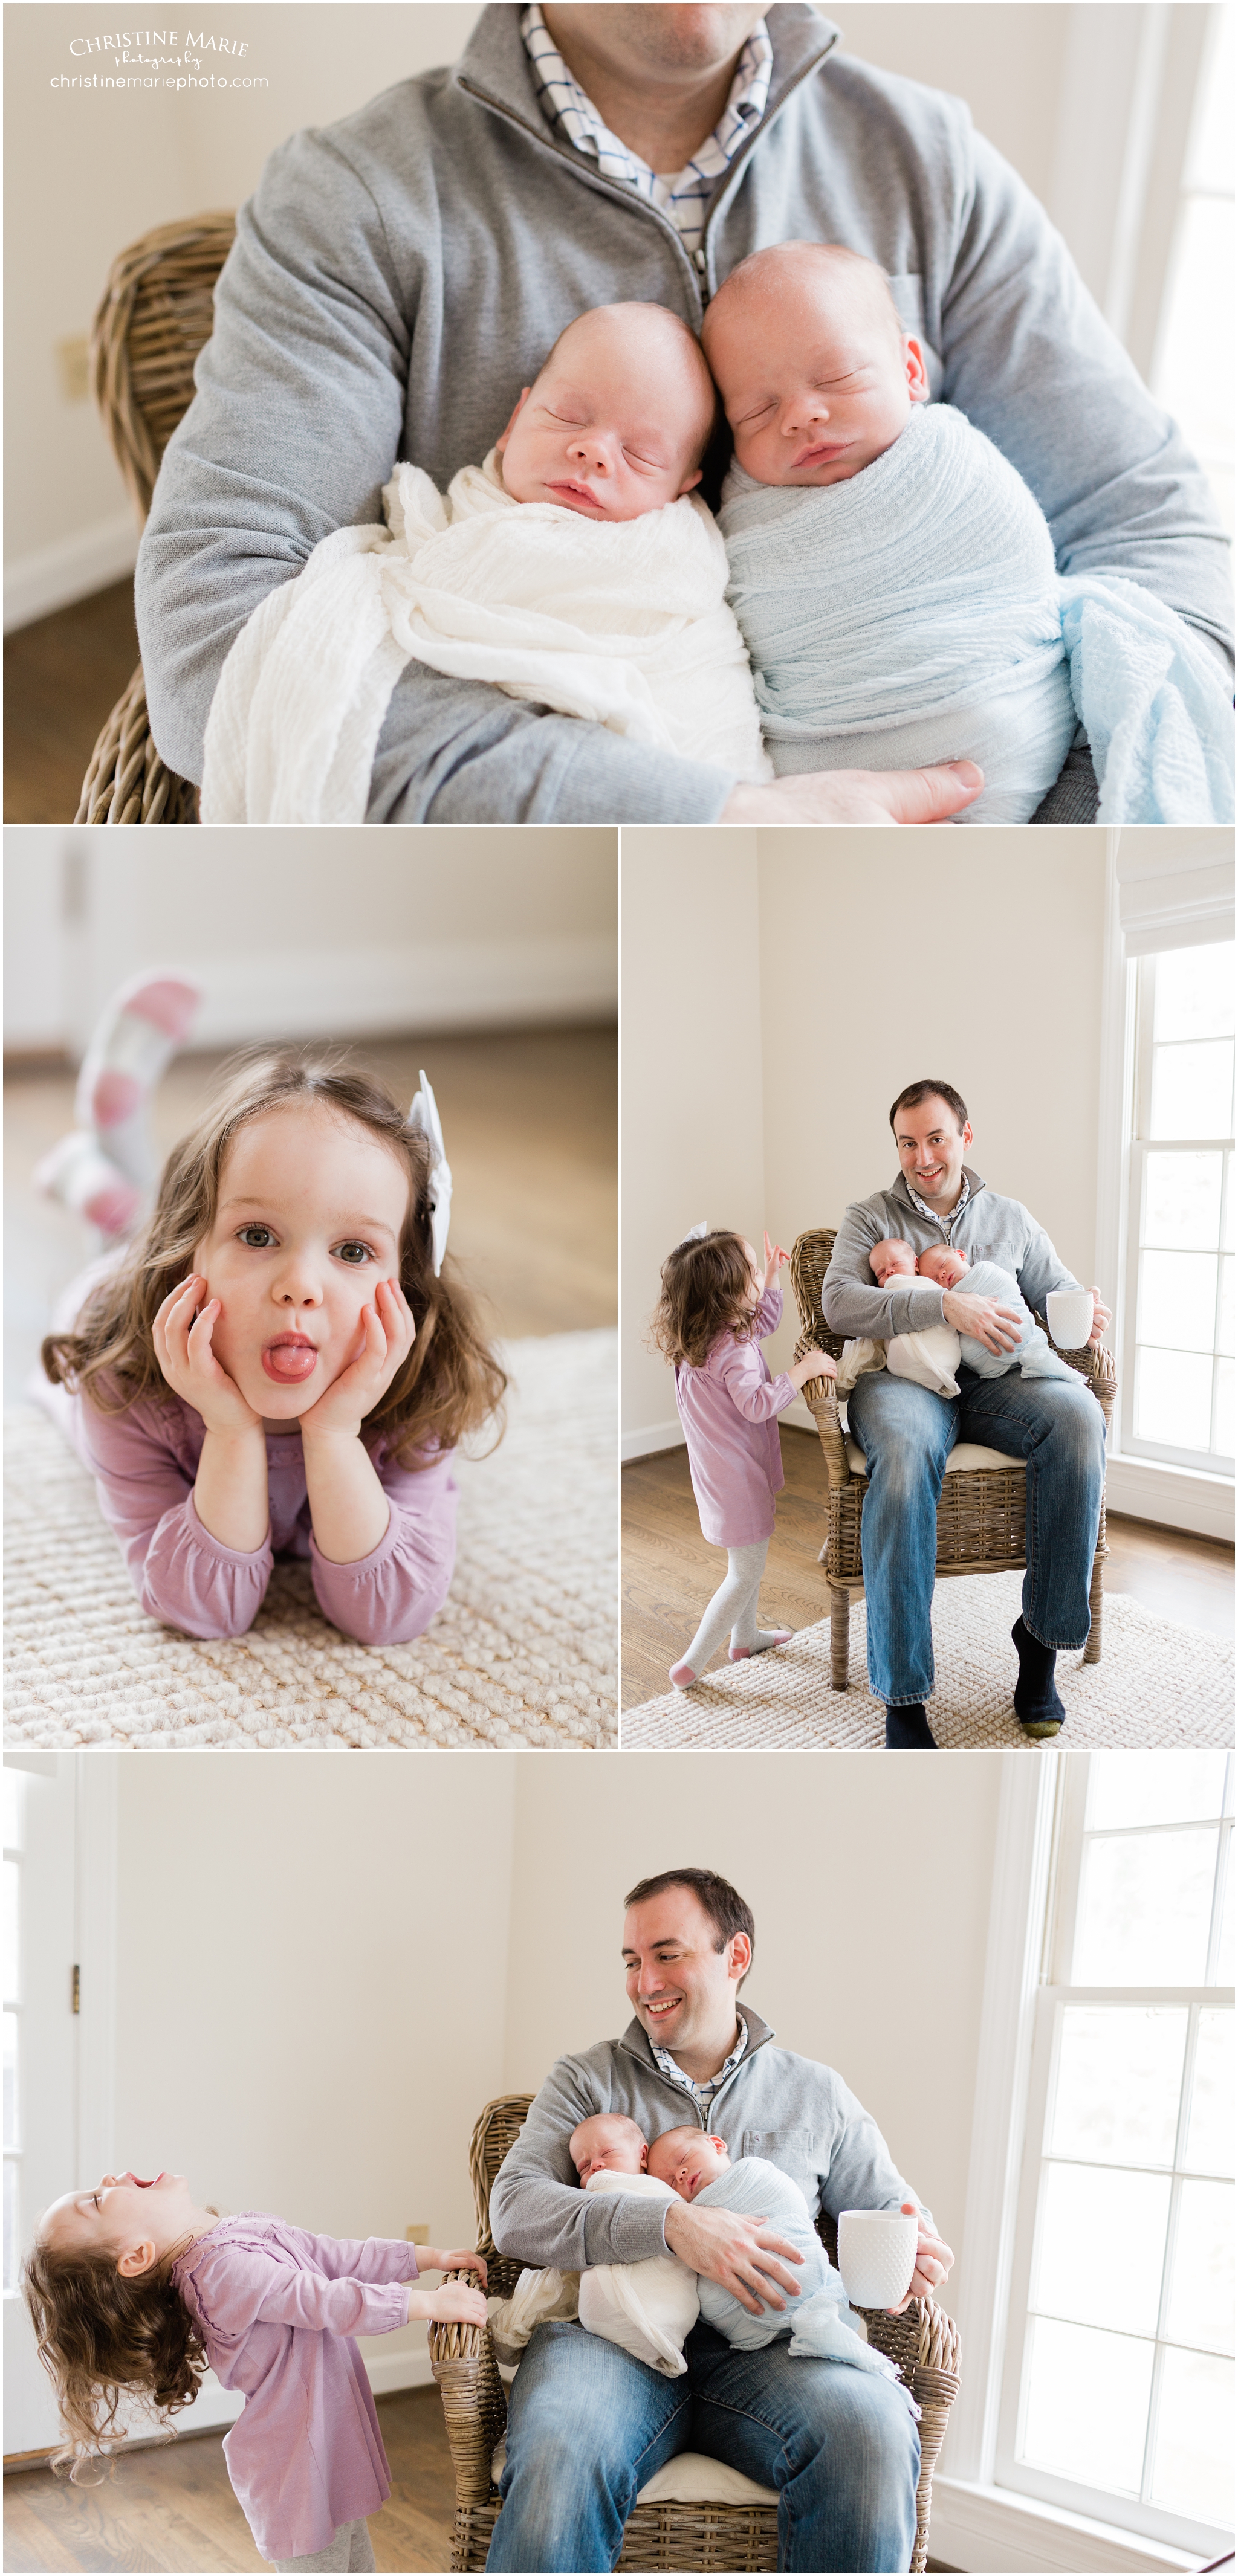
(1155, 1685)
(522, 1653)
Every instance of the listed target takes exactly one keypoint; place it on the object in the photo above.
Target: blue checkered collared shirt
(702, 2094)
(684, 196)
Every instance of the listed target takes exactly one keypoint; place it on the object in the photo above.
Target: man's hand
(739, 2253)
(1102, 1317)
(998, 1327)
(933, 2260)
(826, 796)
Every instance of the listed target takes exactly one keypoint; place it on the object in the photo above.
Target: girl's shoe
(770, 1637)
(682, 1676)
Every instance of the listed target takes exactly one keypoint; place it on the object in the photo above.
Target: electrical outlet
(418, 2235)
(73, 369)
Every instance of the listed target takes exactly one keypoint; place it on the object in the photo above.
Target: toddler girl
(276, 1362)
(715, 1310)
(135, 2292)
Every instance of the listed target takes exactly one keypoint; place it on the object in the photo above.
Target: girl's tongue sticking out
(290, 1359)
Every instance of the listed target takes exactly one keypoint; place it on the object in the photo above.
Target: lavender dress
(729, 1408)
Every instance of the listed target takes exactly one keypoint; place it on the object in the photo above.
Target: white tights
(734, 1606)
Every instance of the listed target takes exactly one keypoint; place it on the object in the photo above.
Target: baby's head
(618, 418)
(892, 1259)
(816, 373)
(300, 1188)
(710, 1285)
(688, 2159)
(943, 1267)
(607, 2143)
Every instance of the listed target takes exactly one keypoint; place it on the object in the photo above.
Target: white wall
(334, 934)
(690, 1039)
(89, 171)
(878, 958)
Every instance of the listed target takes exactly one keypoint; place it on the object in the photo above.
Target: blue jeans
(907, 1434)
(588, 2425)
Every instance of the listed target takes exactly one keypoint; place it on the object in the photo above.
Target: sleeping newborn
(819, 2322)
(575, 568)
(893, 576)
(647, 2308)
(928, 1357)
(1031, 1355)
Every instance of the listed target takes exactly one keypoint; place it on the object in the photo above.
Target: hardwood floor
(529, 1118)
(173, 2509)
(62, 677)
(669, 1572)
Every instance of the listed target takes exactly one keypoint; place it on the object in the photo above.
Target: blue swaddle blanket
(913, 613)
(819, 2322)
(1032, 1355)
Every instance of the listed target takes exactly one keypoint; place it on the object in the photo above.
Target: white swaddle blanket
(648, 2308)
(622, 622)
(908, 614)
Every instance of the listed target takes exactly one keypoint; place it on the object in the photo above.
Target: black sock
(1035, 1693)
(908, 1731)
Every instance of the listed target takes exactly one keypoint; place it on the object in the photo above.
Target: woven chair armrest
(821, 1397)
(922, 2338)
(474, 2405)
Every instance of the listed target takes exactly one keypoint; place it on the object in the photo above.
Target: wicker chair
(980, 1517)
(923, 2343)
(157, 313)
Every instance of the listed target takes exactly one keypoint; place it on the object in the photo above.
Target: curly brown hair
(706, 1290)
(102, 2338)
(449, 1386)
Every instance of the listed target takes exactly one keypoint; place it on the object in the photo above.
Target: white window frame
(1054, 1995)
(1141, 1143)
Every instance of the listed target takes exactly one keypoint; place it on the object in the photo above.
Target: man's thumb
(932, 795)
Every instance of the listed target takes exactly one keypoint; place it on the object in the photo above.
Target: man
(399, 277)
(907, 1432)
(588, 2424)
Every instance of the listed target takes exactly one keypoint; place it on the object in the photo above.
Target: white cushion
(689, 2479)
(692, 2479)
(966, 1454)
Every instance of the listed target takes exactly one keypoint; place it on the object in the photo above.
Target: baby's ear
(689, 485)
(644, 2155)
(917, 372)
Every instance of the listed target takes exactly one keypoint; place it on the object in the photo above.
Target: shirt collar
(702, 2093)
(565, 104)
(932, 1213)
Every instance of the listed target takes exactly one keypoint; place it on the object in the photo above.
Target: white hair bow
(697, 1233)
(424, 1120)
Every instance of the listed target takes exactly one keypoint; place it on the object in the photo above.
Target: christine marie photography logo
(159, 58)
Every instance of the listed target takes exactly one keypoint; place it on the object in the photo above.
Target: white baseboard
(646, 1443)
(53, 576)
(989, 2531)
(1172, 1496)
(448, 984)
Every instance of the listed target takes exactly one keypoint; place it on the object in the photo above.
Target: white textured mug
(877, 2255)
(1068, 1312)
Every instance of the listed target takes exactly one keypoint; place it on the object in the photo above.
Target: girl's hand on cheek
(182, 1338)
(388, 1333)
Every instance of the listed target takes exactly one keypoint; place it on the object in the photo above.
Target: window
(1193, 367)
(1118, 2400)
(13, 1787)
(1178, 1364)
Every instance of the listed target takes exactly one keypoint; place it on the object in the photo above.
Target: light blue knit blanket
(820, 2322)
(914, 613)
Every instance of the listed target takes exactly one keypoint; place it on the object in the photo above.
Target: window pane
(14, 1785)
(1173, 1399)
(1087, 2406)
(1224, 1973)
(1155, 1789)
(1193, 2471)
(12, 1962)
(1225, 1314)
(12, 2240)
(1192, 1089)
(1144, 1909)
(1177, 1300)
(1210, 159)
(1223, 1430)
(1201, 2289)
(1090, 2219)
(1182, 1200)
(1195, 992)
(11, 2138)
(1210, 2134)
(1118, 2082)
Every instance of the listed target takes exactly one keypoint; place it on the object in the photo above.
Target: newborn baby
(929, 1357)
(574, 568)
(893, 576)
(646, 2308)
(1031, 1355)
(819, 2322)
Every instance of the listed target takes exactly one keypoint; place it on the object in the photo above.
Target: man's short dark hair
(723, 1903)
(918, 1091)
